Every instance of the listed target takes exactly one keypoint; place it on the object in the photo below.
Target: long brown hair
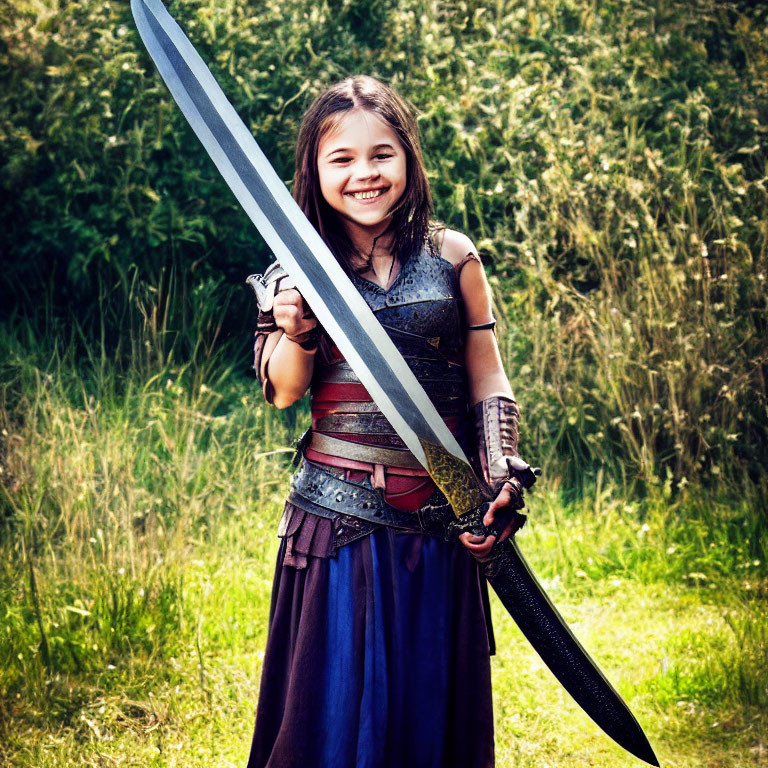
(410, 215)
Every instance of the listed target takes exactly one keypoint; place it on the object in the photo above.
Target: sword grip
(472, 522)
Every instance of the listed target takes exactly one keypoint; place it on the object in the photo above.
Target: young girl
(379, 640)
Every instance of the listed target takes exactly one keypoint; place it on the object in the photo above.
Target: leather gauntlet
(266, 286)
(496, 419)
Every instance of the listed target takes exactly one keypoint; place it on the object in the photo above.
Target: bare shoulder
(457, 249)
(455, 246)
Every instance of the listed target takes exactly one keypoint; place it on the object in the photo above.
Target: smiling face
(361, 168)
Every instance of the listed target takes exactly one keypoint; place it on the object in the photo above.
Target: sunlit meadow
(136, 586)
(609, 159)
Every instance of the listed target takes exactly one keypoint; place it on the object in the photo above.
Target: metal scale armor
(357, 471)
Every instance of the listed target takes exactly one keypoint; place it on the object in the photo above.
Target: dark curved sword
(378, 364)
(540, 622)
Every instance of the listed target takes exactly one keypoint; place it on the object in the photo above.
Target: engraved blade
(545, 629)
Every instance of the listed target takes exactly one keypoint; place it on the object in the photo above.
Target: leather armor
(422, 314)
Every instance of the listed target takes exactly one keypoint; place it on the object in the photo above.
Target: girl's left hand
(501, 508)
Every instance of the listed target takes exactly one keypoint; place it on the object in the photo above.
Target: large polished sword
(359, 336)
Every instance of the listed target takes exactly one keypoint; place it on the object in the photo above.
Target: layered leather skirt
(378, 654)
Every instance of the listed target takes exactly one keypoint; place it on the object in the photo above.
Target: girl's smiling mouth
(368, 194)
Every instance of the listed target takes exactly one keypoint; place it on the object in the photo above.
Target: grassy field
(136, 572)
(658, 644)
(609, 161)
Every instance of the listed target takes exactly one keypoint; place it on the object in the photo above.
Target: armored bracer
(496, 428)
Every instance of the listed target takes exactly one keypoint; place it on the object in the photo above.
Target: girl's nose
(366, 169)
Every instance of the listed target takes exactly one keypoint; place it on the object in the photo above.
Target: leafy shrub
(609, 162)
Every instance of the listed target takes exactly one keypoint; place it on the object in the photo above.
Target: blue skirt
(377, 657)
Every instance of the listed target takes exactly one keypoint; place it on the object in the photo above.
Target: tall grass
(110, 486)
(138, 538)
(110, 479)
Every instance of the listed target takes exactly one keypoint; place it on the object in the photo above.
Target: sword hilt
(523, 477)
(472, 522)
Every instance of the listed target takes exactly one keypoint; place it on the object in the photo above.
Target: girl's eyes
(342, 160)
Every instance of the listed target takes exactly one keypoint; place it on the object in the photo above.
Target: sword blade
(538, 619)
(339, 307)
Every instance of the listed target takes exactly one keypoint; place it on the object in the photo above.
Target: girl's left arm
(485, 372)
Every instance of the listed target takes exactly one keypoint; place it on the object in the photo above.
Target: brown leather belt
(319, 492)
(355, 424)
(350, 406)
(370, 454)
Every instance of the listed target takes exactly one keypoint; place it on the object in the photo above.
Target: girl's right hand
(502, 510)
(292, 314)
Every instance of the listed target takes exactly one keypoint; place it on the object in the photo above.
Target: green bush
(608, 159)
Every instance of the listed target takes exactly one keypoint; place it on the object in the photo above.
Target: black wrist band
(310, 339)
(483, 327)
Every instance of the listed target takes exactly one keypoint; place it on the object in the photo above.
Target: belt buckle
(430, 520)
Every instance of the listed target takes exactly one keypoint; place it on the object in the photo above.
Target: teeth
(367, 195)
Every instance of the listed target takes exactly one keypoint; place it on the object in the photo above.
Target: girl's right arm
(285, 365)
